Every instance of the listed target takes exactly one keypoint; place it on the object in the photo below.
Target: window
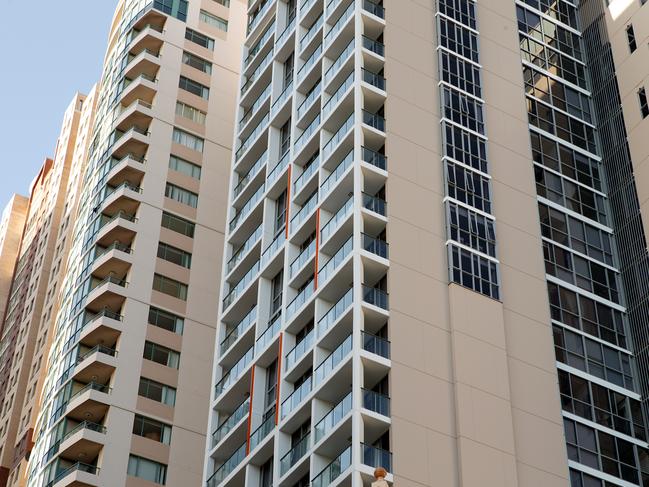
(458, 39)
(225, 3)
(152, 429)
(465, 147)
(644, 107)
(161, 355)
(471, 229)
(174, 255)
(181, 195)
(197, 62)
(266, 474)
(178, 224)
(276, 296)
(270, 401)
(285, 138)
(460, 10)
(473, 271)
(170, 286)
(147, 469)
(157, 392)
(468, 187)
(188, 140)
(460, 73)
(280, 213)
(630, 37)
(200, 39)
(175, 8)
(194, 87)
(190, 113)
(164, 319)
(587, 315)
(463, 110)
(289, 66)
(185, 167)
(213, 20)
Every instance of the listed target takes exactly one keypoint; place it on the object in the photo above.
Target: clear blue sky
(48, 51)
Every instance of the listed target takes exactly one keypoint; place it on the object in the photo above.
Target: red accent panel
(279, 378)
(252, 389)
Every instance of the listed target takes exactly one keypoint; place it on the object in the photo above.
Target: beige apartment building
(123, 399)
(32, 300)
(435, 257)
(12, 223)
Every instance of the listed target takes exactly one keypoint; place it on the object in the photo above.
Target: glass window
(213, 20)
(157, 392)
(152, 429)
(200, 39)
(644, 106)
(170, 286)
(225, 3)
(174, 255)
(185, 167)
(197, 62)
(178, 224)
(164, 319)
(194, 87)
(161, 355)
(188, 140)
(147, 469)
(175, 8)
(473, 271)
(471, 229)
(630, 36)
(190, 113)
(181, 195)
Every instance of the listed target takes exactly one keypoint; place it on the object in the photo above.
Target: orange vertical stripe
(288, 199)
(317, 249)
(252, 390)
(279, 377)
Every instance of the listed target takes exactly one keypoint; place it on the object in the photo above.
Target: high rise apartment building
(435, 258)
(122, 399)
(32, 300)
(12, 223)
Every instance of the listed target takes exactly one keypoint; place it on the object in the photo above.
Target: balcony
(333, 419)
(119, 227)
(268, 336)
(299, 351)
(90, 402)
(250, 88)
(375, 204)
(335, 313)
(253, 114)
(286, 34)
(305, 41)
(241, 285)
(300, 300)
(123, 198)
(342, 24)
(231, 422)
(374, 246)
(375, 297)
(235, 372)
(224, 471)
(374, 9)
(307, 75)
(376, 402)
(109, 292)
(259, 47)
(76, 475)
(341, 93)
(244, 254)
(375, 457)
(96, 364)
(135, 140)
(306, 177)
(309, 105)
(145, 62)
(149, 36)
(300, 261)
(255, 136)
(327, 271)
(277, 171)
(341, 61)
(302, 215)
(238, 331)
(247, 209)
(142, 87)
(104, 327)
(260, 18)
(258, 436)
(85, 440)
(151, 14)
(337, 221)
(374, 158)
(330, 148)
(294, 455)
(280, 103)
(128, 168)
(296, 398)
(114, 259)
(245, 181)
(332, 472)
